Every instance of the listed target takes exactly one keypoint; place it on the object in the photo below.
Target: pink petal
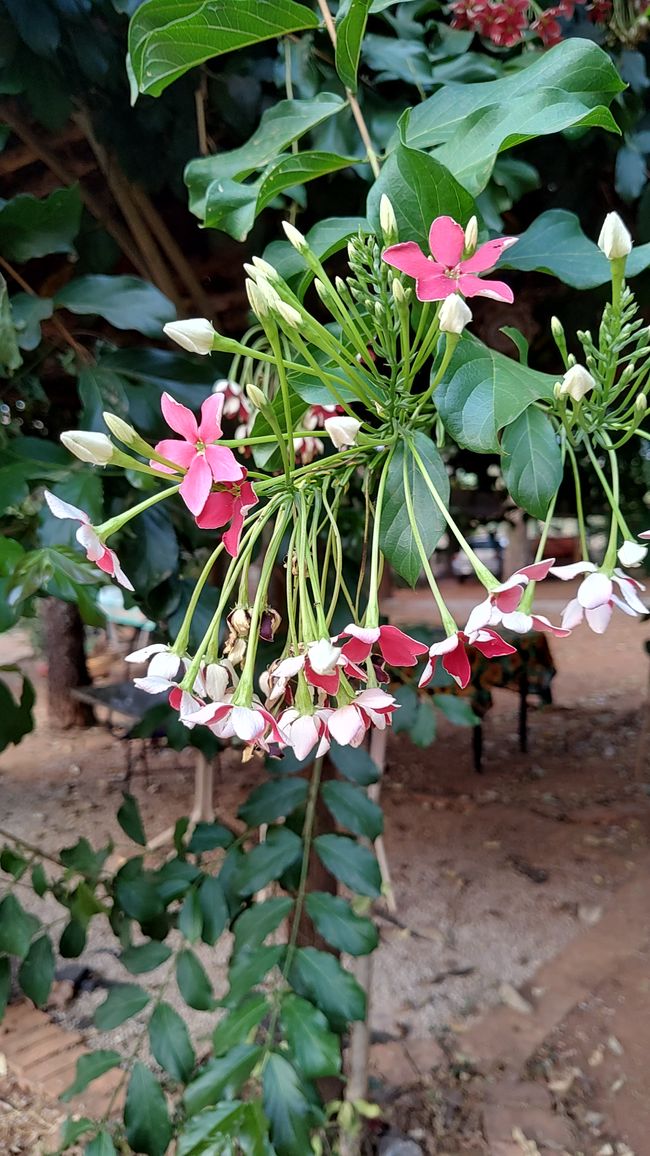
(232, 535)
(471, 286)
(508, 599)
(95, 549)
(105, 562)
(224, 464)
(247, 496)
(572, 570)
(594, 590)
(494, 646)
(344, 724)
(598, 617)
(210, 425)
(196, 484)
(183, 453)
(427, 674)
(62, 509)
(435, 286)
(179, 418)
(304, 736)
(408, 258)
(487, 255)
(367, 634)
(457, 664)
(537, 570)
(541, 623)
(398, 648)
(118, 572)
(327, 682)
(645, 535)
(217, 510)
(375, 699)
(447, 241)
(572, 614)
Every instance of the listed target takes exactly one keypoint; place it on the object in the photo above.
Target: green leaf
(470, 124)
(352, 808)
(27, 313)
(17, 927)
(190, 917)
(348, 861)
(193, 983)
(354, 764)
(101, 1145)
(247, 968)
(456, 709)
(10, 358)
(208, 836)
(556, 244)
(239, 1024)
(315, 1050)
(39, 880)
(101, 390)
(273, 800)
(5, 983)
(268, 860)
(146, 957)
(253, 925)
(283, 123)
(483, 391)
(324, 239)
(35, 226)
(73, 939)
(319, 977)
(405, 717)
(531, 461)
(422, 731)
(170, 1042)
(221, 1079)
(125, 302)
(396, 534)
(122, 1002)
(36, 972)
(335, 920)
(146, 1119)
(209, 1133)
(72, 1129)
(420, 189)
(130, 820)
(214, 909)
(287, 1107)
(139, 898)
(165, 41)
(351, 20)
(90, 1068)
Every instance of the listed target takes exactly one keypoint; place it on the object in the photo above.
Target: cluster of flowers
(507, 23)
(238, 408)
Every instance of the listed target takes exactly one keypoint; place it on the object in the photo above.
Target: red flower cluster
(506, 22)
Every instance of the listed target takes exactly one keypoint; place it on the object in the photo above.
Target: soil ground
(501, 881)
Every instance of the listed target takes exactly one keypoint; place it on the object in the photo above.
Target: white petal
(572, 615)
(323, 657)
(517, 621)
(480, 616)
(153, 685)
(145, 652)
(595, 590)
(62, 509)
(631, 553)
(598, 617)
(165, 665)
(87, 538)
(345, 723)
(246, 723)
(572, 570)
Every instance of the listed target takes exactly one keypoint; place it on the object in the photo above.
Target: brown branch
(62, 329)
(352, 100)
(172, 250)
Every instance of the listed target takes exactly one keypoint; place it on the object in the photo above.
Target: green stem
(114, 524)
(448, 622)
(452, 342)
(276, 345)
(372, 609)
(245, 688)
(579, 506)
(182, 638)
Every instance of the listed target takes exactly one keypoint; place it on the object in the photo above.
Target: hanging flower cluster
(507, 23)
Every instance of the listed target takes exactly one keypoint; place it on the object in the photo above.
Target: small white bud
(557, 329)
(615, 240)
(576, 382)
(557, 391)
(471, 236)
(454, 314)
(196, 334)
(88, 447)
(255, 396)
(295, 237)
(388, 220)
(399, 296)
(631, 553)
(288, 314)
(265, 268)
(641, 403)
(343, 431)
(121, 429)
(257, 302)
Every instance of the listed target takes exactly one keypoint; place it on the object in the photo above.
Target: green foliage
(33, 227)
(351, 20)
(16, 717)
(125, 302)
(397, 540)
(90, 1067)
(532, 461)
(146, 1119)
(556, 244)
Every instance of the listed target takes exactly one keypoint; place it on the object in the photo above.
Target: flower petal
(224, 464)
(195, 487)
(345, 723)
(179, 418)
(118, 572)
(479, 616)
(536, 571)
(217, 511)
(598, 617)
(398, 648)
(62, 509)
(494, 646)
(408, 258)
(572, 614)
(487, 255)
(566, 573)
(447, 241)
(183, 453)
(472, 286)
(210, 424)
(87, 538)
(435, 286)
(594, 590)
(457, 664)
(543, 625)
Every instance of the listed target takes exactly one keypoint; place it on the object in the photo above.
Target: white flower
(471, 235)
(614, 240)
(631, 554)
(196, 334)
(88, 447)
(162, 662)
(295, 237)
(576, 382)
(323, 657)
(388, 220)
(342, 430)
(454, 314)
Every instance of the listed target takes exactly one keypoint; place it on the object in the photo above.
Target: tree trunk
(66, 665)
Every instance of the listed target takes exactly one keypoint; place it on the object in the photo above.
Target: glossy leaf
(422, 731)
(335, 920)
(352, 808)
(253, 925)
(397, 541)
(238, 1025)
(248, 968)
(145, 957)
(348, 861)
(17, 927)
(221, 1079)
(190, 918)
(319, 977)
(36, 973)
(90, 1067)
(531, 460)
(315, 1050)
(166, 40)
(208, 836)
(268, 860)
(170, 1042)
(456, 710)
(130, 820)
(351, 20)
(420, 188)
(101, 1145)
(193, 982)
(210, 1133)
(286, 1106)
(122, 1002)
(125, 302)
(27, 313)
(273, 800)
(324, 239)
(354, 764)
(146, 1119)
(16, 716)
(35, 226)
(556, 244)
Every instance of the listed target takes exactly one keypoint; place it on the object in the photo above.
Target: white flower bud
(399, 295)
(388, 220)
(89, 447)
(614, 240)
(257, 302)
(217, 680)
(255, 396)
(641, 402)
(631, 553)
(557, 391)
(295, 237)
(121, 429)
(196, 334)
(343, 431)
(288, 314)
(265, 268)
(471, 236)
(454, 314)
(576, 382)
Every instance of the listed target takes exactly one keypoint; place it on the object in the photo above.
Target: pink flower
(228, 506)
(251, 723)
(205, 462)
(595, 600)
(454, 657)
(347, 725)
(303, 732)
(645, 535)
(448, 273)
(397, 648)
(505, 598)
(306, 449)
(235, 404)
(107, 560)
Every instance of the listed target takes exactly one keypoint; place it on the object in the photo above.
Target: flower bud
(217, 680)
(557, 391)
(295, 237)
(89, 447)
(614, 240)
(576, 383)
(121, 429)
(288, 314)
(454, 314)
(265, 268)
(631, 553)
(255, 396)
(343, 431)
(399, 295)
(388, 220)
(196, 334)
(641, 403)
(257, 302)
(471, 236)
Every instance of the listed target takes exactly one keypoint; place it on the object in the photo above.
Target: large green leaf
(122, 1002)
(397, 541)
(351, 20)
(269, 860)
(35, 226)
(284, 122)
(419, 188)
(36, 972)
(556, 244)
(355, 764)
(273, 801)
(248, 968)
(17, 927)
(315, 1050)
(193, 982)
(319, 977)
(221, 1079)
(130, 819)
(89, 1068)
(125, 302)
(101, 390)
(167, 37)
(348, 861)
(146, 1119)
(27, 313)
(101, 1145)
(145, 957)
(10, 358)
(335, 920)
(353, 809)
(211, 1132)
(287, 1107)
(170, 1042)
(253, 925)
(238, 1025)
(214, 909)
(469, 124)
(531, 461)
(483, 391)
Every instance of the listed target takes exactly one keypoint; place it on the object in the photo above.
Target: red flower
(397, 648)
(230, 505)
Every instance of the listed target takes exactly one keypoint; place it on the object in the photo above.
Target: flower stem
(448, 622)
(114, 524)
